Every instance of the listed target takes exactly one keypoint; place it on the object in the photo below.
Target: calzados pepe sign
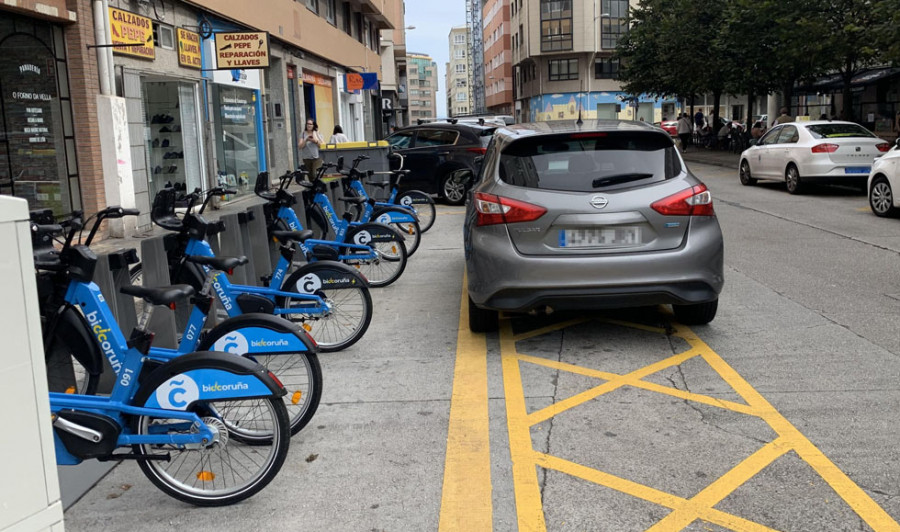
(132, 30)
(244, 49)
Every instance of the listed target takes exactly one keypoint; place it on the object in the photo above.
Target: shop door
(174, 147)
(36, 121)
(645, 112)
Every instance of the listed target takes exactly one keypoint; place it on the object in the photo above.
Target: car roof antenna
(579, 121)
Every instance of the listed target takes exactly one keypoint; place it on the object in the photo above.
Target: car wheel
(746, 179)
(482, 320)
(881, 198)
(697, 314)
(453, 190)
(792, 180)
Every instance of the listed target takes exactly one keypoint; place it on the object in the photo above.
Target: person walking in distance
(338, 136)
(783, 117)
(684, 130)
(309, 148)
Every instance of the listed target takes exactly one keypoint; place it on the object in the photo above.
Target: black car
(433, 152)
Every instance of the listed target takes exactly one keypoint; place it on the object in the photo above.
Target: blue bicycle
(329, 300)
(414, 201)
(206, 428)
(403, 219)
(374, 249)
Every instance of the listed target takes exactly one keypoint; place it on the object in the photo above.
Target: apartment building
(563, 65)
(86, 126)
(458, 75)
(422, 76)
(498, 79)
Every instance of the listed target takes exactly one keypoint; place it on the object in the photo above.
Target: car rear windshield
(833, 131)
(587, 162)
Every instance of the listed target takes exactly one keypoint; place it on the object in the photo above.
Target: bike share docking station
(30, 496)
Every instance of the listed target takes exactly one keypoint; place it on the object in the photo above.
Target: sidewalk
(713, 157)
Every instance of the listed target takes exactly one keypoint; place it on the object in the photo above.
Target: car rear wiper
(618, 179)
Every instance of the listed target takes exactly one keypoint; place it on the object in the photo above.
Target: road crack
(555, 398)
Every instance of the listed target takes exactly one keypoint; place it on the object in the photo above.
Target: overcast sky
(433, 20)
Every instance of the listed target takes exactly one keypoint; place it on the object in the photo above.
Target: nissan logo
(599, 202)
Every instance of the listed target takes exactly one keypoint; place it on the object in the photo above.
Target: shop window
(172, 123)
(37, 157)
(237, 151)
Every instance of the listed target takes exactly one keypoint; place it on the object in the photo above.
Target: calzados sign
(128, 28)
(245, 49)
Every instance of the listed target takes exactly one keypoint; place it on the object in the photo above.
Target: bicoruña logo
(362, 238)
(309, 283)
(233, 342)
(177, 393)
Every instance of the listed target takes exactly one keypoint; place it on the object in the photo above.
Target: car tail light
(479, 151)
(883, 147)
(825, 148)
(493, 209)
(694, 201)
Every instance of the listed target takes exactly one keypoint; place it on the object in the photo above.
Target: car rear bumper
(829, 171)
(502, 279)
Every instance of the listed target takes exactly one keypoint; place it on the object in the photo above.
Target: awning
(835, 82)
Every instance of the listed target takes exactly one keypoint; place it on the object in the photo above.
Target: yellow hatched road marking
(685, 511)
(466, 498)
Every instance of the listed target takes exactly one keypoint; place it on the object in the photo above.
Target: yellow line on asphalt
(529, 508)
(646, 493)
(722, 487)
(466, 497)
(633, 378)
(549, 329)
(873, 514)
(649, 386)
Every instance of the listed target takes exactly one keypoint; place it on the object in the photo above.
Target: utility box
(29, 492)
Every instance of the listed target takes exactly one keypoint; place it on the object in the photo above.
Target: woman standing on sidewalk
(309, 148)
(685, 126)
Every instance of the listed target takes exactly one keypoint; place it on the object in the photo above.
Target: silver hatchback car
(597, 215)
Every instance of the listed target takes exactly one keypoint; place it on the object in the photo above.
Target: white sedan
(883, 181)
(800, 152)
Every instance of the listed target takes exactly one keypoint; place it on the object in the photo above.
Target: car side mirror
(340, 163)
(754, 142)
(897, 142)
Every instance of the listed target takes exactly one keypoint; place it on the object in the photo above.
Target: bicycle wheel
(411, 233)
(386, 267)
(227, 470)
(301, 375)
(65, 374)
(351, 309)
(422, 203)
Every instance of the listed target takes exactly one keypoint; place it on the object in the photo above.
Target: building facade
(422, 78)
(459, 74)
(498, 79)
(109, 110)
(562, 56)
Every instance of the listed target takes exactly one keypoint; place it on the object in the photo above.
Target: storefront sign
(311, 78)
(246, 49)
(189, 49)
(247, 79)
(129, 28)
(364, 81)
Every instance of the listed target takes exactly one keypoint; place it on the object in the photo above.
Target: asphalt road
(781, 414)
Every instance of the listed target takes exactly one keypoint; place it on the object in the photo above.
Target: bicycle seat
(356, 200)
(296, 236)
(163, 211)
(222, 264)
(262, 187)
(163, 295)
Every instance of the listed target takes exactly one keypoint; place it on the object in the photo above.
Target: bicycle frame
(403, 214)
(228, 292)
(359, 249)
(170, 399)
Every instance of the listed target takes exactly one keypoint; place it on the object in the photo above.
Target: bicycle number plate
(611, 236)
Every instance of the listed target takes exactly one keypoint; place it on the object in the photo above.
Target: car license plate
(857, 169)
(611, 236)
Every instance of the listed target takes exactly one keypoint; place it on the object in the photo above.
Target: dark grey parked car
(433, 152)
(600, 215)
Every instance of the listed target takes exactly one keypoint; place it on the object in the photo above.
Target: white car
(883, 181)
(821, 150)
